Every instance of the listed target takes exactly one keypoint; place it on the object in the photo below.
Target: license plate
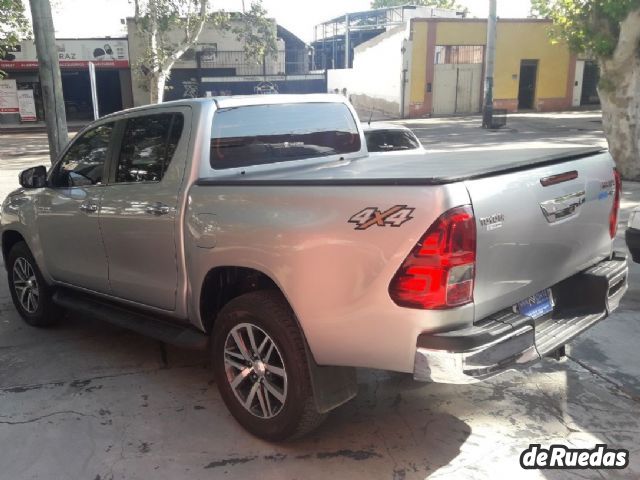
(536, 305)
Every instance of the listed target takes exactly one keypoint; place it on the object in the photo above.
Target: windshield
(390, 140)
(260, 134)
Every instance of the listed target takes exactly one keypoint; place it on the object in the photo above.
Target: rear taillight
(440, 271)
(615, 208)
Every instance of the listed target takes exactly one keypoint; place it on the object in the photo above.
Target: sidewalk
(39, 127)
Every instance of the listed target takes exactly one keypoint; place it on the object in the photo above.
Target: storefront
(113, 75)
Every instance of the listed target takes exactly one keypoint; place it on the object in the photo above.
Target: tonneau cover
(430, 168)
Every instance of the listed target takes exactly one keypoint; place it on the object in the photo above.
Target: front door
(140, 209)
(527, 88)
(68, 212)
(577, 84)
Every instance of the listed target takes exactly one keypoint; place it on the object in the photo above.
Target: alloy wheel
(255, 370)
(25, 285)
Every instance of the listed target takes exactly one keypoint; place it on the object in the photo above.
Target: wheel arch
(223, 284)
(332, 385)
(9, 239)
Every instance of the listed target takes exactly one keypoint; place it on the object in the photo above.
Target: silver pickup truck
(261, 227)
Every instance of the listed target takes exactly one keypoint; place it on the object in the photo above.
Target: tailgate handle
(560, 178)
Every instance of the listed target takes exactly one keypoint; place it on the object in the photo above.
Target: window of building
(459, 54)
(260, 134)
(147, 147)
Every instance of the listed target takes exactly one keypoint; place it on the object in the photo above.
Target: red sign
(84, 65)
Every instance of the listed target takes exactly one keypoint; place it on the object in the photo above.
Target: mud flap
(332, 386)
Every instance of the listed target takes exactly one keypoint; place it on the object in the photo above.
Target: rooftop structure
(335, 39)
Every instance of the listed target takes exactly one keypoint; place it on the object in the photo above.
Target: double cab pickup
(261, 228)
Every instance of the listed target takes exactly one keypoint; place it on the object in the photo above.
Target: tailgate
(531, 236)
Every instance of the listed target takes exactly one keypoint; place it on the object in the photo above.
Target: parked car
(261, 227)
(389, 137)
(632, 235)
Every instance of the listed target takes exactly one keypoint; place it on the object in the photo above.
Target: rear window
(260, 134)
(390, 140)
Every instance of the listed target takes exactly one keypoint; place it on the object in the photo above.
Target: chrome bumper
(508, 340)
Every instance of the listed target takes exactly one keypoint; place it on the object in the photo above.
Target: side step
(146, 324)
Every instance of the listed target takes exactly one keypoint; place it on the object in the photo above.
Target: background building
(344, 33)
(218, 65)
(113, 76)
(435, 66)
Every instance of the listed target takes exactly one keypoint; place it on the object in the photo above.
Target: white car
(389, 137)
(633, 234)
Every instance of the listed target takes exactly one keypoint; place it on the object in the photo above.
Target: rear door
(140, 210)
(532, 236)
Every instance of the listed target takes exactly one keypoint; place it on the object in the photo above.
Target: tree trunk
(620, 107)
(157, 82)
(619, 91)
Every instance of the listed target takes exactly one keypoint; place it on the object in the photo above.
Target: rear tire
(260, 366)
(30, 293)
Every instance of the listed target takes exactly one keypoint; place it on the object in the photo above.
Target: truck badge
(393, 217)
(492, 221)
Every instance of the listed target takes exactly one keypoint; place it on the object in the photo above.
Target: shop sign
(27, 106)
(8, 97)
(104, 53)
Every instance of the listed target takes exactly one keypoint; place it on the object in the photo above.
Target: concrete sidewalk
(86, 400)
(38, 127)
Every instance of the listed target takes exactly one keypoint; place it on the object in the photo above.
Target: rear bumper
(507, 339)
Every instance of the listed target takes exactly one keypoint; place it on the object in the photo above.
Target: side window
(148, 145)
(83, 164)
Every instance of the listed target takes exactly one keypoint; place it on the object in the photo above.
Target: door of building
(527, 88)
(577, 84)
(590, 81)
(456, 88)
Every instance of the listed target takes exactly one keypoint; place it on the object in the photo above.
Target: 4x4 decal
(393, 217)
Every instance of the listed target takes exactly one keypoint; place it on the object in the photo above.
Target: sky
(98, 18)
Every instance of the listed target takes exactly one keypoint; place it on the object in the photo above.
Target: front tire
(30, 294)
(260, 366)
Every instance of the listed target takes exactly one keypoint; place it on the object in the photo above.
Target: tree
(157, 21)
(609, 31)
(449, 4)
(14, 26)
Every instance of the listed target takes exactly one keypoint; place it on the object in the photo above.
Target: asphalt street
(85, 400)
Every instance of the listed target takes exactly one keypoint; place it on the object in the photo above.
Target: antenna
(370, 117)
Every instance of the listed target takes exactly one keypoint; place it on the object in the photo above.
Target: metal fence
(239, 63)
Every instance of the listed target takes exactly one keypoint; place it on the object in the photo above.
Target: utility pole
(347, 41)
(50, 79)
(487, 111)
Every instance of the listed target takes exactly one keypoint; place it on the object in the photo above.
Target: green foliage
(158, 21)
(257, 32)
(168, 28)
(591, 26)
(450, 4)
(14, 26)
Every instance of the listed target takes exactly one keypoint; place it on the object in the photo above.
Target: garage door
(456, 88)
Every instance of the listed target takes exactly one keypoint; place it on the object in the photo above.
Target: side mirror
(34, 177)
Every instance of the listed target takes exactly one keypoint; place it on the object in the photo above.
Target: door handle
(89, 207)
(158, 209)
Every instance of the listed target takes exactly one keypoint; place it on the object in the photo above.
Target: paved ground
(89, 401)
